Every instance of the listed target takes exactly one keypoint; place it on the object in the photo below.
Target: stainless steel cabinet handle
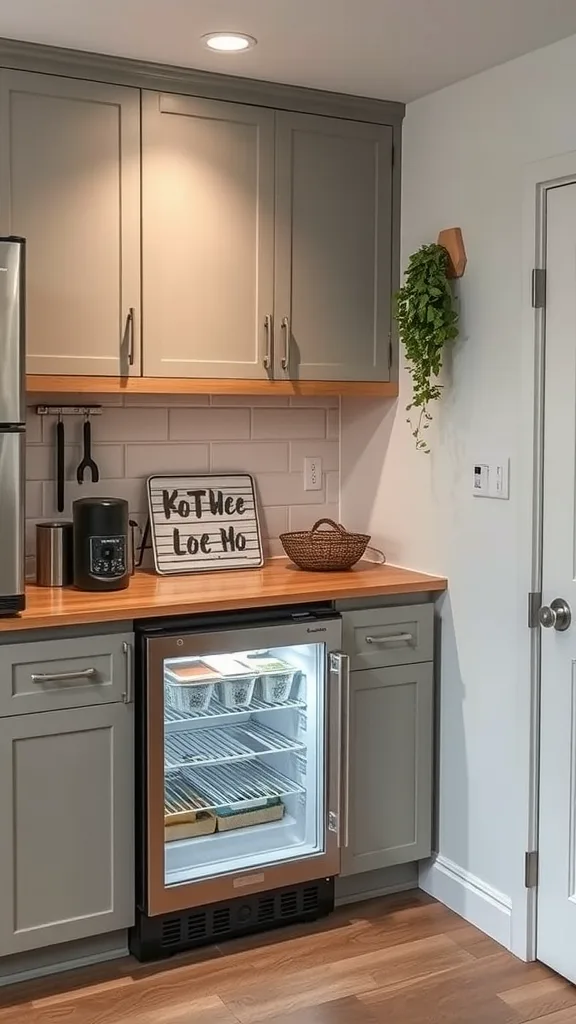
(130, 332)
(63, 677)
(389, 639)
(268, 328)
(340, 664)
(128, 695)
(286, 356)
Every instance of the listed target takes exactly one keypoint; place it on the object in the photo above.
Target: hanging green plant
(427, 320)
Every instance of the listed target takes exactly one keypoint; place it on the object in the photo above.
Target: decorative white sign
(201, 523)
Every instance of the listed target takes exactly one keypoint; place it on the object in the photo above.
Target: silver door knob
(556, 616)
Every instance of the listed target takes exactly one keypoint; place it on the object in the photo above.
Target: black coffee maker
(102, 553)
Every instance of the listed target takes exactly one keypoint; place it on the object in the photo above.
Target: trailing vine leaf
(427, 320)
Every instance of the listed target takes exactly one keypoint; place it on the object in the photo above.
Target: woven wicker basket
(325, 550)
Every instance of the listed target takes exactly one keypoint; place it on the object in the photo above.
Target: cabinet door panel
(66, 845)
(70, 185)
(333, 247)
(208, 180)
(390, 796)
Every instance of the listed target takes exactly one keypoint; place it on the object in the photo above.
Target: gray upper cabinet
(333, 248)
(70, 185)
(390, 784)
(66, 843)
(208, 236)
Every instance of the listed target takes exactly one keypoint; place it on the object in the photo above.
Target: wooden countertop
(148, 595)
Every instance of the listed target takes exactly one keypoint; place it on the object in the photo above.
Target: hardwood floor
(399, 960)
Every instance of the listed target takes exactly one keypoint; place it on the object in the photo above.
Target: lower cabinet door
(390, 770)
(66, 839)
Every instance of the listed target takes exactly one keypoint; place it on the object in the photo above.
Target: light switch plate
(491, 478)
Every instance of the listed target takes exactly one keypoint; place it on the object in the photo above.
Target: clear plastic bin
(275, 677)
(236, 684)
(189, 697)
(189, 686)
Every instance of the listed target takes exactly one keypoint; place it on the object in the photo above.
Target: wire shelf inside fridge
(217, 710)
(225, 745)
(208, 788)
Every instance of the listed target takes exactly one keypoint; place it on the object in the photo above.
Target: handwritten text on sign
(202, 523)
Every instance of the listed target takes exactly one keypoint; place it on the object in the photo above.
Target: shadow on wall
(372, 420)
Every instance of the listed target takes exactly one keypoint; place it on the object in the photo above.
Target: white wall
(465, 160)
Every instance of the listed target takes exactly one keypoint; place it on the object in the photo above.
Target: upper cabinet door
(208, 242)
(70, 184)
(333, 248)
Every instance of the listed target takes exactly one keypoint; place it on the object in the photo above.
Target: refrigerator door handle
(340, 667)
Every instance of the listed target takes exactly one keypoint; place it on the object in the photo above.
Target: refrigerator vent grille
(196, 926)
(265, 909)
(310, 898)
(289, 904)
(221, 921)
(171, 932)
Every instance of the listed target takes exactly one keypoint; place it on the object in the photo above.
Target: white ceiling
(392, 49)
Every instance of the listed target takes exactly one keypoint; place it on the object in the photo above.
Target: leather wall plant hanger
(427, 320)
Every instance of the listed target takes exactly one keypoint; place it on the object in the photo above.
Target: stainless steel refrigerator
(241, 774)
(12, 424)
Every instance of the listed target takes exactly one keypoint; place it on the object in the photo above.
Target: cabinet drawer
(55, 674)
(379, 637)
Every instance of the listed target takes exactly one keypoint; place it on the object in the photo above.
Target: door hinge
(393, 155)
(390, 351)
(538, 289)
(534, 605)
(531, 869)
(333, 822)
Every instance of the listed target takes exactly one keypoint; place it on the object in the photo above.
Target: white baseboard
(469, 896)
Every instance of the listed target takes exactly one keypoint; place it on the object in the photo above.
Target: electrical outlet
(312, 474)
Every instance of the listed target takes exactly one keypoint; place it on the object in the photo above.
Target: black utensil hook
(87, 462)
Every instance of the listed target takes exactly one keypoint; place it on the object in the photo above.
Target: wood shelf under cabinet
(72, 385)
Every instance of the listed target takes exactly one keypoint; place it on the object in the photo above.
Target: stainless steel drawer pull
(393, 638)
(63, 677)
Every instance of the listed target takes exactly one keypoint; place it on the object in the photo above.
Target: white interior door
(556, 941)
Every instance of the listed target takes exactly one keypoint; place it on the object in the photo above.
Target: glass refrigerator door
(244, 768)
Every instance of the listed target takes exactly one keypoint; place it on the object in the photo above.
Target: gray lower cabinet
(333, 264)
(70, 185)
(66, 842)
(390, 767)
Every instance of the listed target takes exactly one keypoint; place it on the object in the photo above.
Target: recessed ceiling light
(228, 42)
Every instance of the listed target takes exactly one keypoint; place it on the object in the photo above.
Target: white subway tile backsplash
(160, 401)
(333, 424)
(127, 424)
(137, 436)
(134, 491)
(41, 461)
(303, 517)
(209, 424)
(328, 451)
(286, 489)
(146, 459)
(250, 401)
(254, 457)
(33, 499)
(292, 423)
(316, 403)
(332, 483)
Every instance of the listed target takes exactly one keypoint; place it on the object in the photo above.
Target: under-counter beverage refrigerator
(241, 774)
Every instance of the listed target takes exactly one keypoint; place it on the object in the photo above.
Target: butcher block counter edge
(277, 583)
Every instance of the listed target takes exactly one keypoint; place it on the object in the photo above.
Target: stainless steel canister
(54, 554)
